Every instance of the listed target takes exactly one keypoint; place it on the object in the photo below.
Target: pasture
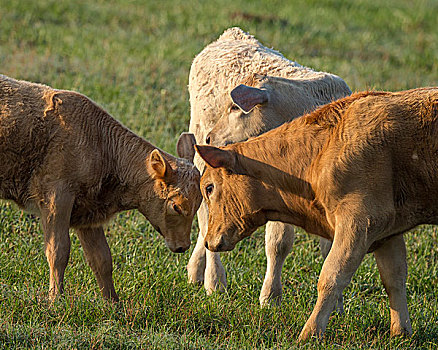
(133, 59)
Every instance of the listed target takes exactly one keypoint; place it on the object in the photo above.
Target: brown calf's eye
(177, 209)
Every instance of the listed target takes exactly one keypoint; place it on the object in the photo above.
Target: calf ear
(159, 166)
(247, 97)
(215, 157)
(184, 146)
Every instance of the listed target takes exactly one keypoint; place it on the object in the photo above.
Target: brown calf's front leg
(391, 261)
(347, 251)
(55, 212)
(98, 255)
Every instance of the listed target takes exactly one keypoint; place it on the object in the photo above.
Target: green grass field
(133, 58)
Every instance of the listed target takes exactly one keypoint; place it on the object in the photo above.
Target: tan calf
(68, 161)
(360, 171)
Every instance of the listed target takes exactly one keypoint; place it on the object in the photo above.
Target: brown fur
(67, 160)
(359, 171)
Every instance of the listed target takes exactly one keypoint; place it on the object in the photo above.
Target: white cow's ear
(216, 157)
(247, 97)
(185, 146)
(158, 165)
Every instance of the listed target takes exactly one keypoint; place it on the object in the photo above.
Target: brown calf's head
(231, 196)
(175, 199)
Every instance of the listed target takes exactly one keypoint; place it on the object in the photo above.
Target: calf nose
(180, 250)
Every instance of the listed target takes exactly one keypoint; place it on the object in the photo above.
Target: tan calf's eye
(209, 190)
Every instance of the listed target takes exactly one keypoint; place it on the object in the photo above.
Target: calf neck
(359, 171)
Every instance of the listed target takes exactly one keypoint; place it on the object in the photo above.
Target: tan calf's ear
(216, 157)
(184, 146)
(247, 97)
(159, 164)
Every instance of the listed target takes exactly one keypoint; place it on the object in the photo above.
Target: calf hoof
(399, 331)
(195, 274)
(267, 301)
(310, 332)
(215, 280)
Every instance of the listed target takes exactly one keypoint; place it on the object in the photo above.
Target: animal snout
(215, 247)
(180, 250)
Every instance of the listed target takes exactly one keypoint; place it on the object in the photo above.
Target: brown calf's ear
(215, 157)
(184, 146)
(247, 97)
(159, 164)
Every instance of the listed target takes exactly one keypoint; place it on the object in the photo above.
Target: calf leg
(348, 249)
(196, 265)
(98, 255)
(205, 265)
(325, 245)
(279, 239)
(55, 212)
(391, 261)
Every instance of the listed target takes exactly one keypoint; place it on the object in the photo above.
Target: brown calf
(359, 171)
(67, 160)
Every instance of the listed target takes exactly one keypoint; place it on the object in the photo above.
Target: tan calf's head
(232, 199)
(175, 199)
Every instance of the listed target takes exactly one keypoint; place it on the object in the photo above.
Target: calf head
(175, 199)
(232, 198)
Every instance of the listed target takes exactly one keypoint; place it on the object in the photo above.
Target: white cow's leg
(279, 239)
(325, 245)
(196, 265)
(205, 265)
(391, 261)
(348, 249)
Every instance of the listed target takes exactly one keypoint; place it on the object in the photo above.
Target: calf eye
(177, 209)
(209, 190)
(234, 108)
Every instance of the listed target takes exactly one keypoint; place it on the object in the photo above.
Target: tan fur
(67, 160)
(290, 90)
(360, 171)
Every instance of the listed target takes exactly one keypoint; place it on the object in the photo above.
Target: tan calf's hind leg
(98, 255)
(55, 221)
(391, 261)
(279, 239)
(345, 256)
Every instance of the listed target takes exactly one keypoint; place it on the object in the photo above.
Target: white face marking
(415, 155)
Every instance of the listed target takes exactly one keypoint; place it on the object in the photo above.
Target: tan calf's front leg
(345, 256)
(279, 239)
(98, 255)
(55, 212)
(391, 261)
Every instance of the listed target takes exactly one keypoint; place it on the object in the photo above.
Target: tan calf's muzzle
(218, 243)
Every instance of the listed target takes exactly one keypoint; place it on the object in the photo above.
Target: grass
(133, 58)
